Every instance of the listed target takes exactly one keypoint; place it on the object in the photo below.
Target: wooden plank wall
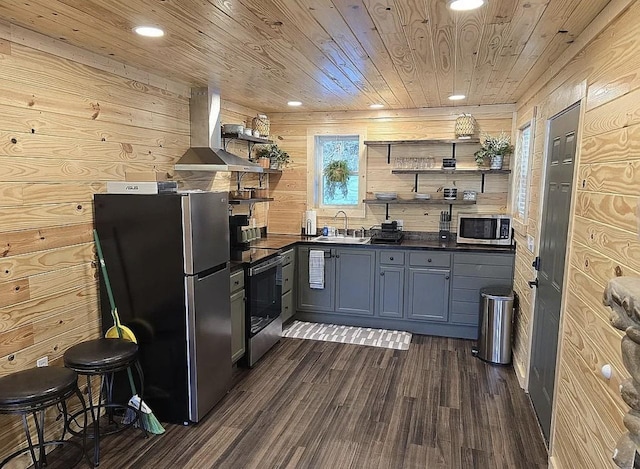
(291, 130)
(604, 238)
(65, 129)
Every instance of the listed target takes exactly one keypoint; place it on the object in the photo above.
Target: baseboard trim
(522, 379)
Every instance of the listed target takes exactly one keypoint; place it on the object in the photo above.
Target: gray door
(428, 294)
(311, 299)
(355, 279)
(553, 244)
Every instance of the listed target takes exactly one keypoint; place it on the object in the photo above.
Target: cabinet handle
(237, 282)
(391, 258)
(429, 260)
(337, 256)
(447, 277)
(381, 274)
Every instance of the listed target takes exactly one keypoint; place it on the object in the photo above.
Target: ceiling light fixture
(455, 96)
(376, 106)
(294, 103)
(465, 5)
(148, 31)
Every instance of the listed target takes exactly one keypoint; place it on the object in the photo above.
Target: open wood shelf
(436, 201)
(250, 201)
(246, 138)
(422, 142)
(450, 171)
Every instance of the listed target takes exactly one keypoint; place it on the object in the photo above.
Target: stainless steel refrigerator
(167, 257)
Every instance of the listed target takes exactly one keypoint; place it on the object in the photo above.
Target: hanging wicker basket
(261, 124)
(465, 126)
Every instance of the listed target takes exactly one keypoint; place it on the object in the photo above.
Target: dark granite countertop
(277, 241)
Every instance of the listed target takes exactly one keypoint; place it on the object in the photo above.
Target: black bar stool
(104, 358)
(31, 392)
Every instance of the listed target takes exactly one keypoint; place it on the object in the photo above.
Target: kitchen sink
(341, 240)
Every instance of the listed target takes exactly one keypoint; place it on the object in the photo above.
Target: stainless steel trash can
(496, 324)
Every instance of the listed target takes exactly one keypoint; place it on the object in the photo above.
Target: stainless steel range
(264, 301)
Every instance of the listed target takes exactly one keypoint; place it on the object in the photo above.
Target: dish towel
(316, 269)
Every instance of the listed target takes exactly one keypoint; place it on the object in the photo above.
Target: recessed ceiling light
(148, 31)
(456, 97)
(294, 103)
(376, 106)
(465, 5)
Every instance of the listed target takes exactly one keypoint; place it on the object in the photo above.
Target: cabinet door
(287, 306)
(311, 299)
(390, 292)
(355, 280)
(237, 326)
(428, 294)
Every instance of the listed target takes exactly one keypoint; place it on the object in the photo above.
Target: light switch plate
(44, 361)
(530, 243)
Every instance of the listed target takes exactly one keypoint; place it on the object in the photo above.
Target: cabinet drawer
(287, 306)
(484, 271)
(476, 283)
(392, 257)
(465, 313)
(287, 257)
(237, 281)
(489, 259)
(287, 278)
(430, 259)
(462, 294)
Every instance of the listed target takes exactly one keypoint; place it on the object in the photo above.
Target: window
(521, 179)
(340, 154)
(335, 152)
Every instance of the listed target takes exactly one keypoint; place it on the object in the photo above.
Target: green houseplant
(494, 149)
(336, 174)
(279, 158)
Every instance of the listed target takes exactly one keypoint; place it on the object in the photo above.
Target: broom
(147, 420)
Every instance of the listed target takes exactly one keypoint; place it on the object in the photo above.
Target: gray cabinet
(424, 291)
(312, 299)
(390, 290)
(237, 316)
(287, 280)
(355, 281)
(471, 273)
(428, 294)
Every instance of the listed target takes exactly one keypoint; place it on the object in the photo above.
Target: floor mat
(398, 340)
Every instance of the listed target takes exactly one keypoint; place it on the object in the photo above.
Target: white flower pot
(496, 162)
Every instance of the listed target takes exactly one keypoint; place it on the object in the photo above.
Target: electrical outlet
(400, 223)
(44, 361)
(530, 243)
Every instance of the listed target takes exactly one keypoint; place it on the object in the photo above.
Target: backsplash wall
(291, 132)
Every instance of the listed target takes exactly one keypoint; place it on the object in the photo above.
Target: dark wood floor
(315, 404)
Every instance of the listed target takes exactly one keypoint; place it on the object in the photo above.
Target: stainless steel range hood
(206, 152)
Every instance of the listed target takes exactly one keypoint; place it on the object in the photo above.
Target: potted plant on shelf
(336, 174)
(494, 149)
(277, 156)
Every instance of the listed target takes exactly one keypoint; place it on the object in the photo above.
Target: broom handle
(112, 302)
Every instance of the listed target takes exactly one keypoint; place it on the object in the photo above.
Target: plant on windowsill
(278, 157)
(336, 174)
(494, 149)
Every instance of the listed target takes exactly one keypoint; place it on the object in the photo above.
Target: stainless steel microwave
(475, 228)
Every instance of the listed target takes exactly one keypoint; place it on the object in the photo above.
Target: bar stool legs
(24, 397)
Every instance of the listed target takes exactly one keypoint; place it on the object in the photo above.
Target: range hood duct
(206, 152)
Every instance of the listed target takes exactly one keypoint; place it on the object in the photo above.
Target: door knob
(381, 274)
(447, 277)
(533, 283)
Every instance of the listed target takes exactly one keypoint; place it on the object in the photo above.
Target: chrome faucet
(345, 220)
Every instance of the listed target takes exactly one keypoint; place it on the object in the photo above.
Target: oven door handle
(265, 266)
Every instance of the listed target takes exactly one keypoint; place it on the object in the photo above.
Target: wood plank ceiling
(329, 54)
